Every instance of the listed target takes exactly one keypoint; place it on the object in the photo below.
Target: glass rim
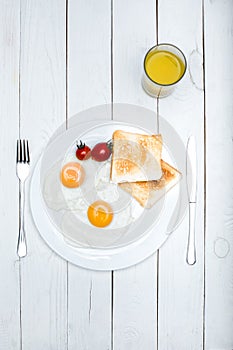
(165, 44)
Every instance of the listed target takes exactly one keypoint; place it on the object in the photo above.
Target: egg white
(96, 186)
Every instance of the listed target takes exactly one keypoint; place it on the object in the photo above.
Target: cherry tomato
(83, 152)
(101, 151)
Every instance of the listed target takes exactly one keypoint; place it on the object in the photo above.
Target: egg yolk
(72, 175)
(100, 213)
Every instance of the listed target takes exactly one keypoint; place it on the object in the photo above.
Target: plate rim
(80, 260)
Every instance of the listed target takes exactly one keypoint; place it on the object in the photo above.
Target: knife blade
(191, 164)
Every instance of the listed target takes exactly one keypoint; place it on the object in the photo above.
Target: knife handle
(191, 248)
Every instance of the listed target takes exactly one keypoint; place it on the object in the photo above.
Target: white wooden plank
(42, 109)
(89, 84)
(135, 288)
(134, 32)
(181, 286)
(135, 307)
(89, 309)
(9, 111)
(219, 155)
(89, 30)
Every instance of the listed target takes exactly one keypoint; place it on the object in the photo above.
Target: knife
(191, 168)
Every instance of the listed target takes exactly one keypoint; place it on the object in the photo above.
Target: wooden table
(61, 57)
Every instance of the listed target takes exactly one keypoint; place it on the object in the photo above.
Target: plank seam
(67, 14)
(111, 48)
(157, 20)
(111, 86)
(19, 126)
(90, 302)
(67, 305)
(204, 243)
(157, 126)
(157, 297)
(157, 41)
(19, 86)
(112, 309)
(66, 119)
(20, 306)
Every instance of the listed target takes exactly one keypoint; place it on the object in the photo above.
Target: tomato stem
(109, 144)
(80, 144)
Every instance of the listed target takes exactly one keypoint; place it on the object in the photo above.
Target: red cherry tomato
(101, 151)
(83, 152)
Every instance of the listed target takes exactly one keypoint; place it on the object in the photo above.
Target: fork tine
(28, 154)
(24, 152)
(20, 150)
(17, 152)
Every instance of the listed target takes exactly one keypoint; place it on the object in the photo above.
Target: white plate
(108, 258)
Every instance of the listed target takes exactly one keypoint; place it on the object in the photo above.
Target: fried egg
(71, 204)
(100, 213)
(72, 175)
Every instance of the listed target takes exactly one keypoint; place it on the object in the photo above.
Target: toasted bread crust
(135, 157)
(144, 191)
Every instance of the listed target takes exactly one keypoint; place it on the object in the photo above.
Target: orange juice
(164, 67)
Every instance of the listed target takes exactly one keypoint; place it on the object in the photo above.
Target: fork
(22, 171)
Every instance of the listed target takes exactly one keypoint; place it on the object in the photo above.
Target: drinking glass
(164, 67)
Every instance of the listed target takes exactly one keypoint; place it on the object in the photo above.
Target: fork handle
(22, 246)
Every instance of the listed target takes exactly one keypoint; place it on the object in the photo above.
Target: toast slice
(135, 157)
(147, 193)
